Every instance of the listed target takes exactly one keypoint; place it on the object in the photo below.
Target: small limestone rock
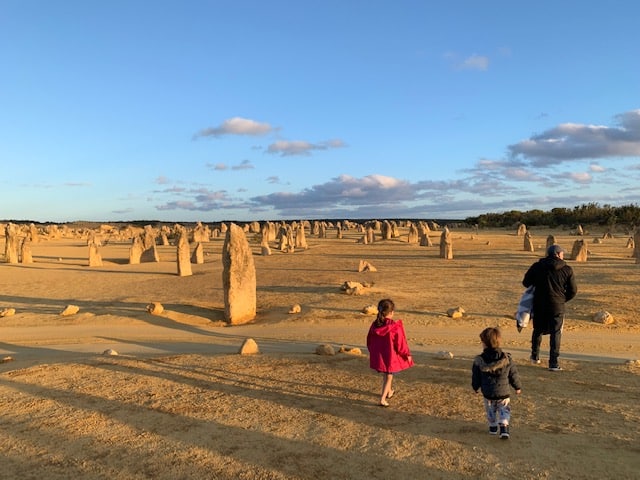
(350, 350)
(633, 363)
(365, 266)
(295, 309)
(325, 349)
(456, 312)
(370, 310)
(249, 347)
(110, 351)
(7, 312)
(444, 355)
(603, 317)
(6, 359)
(70, 310)
(354, 288)
(155, 308)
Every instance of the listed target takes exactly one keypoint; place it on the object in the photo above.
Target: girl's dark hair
(385, 307)
(491, 337)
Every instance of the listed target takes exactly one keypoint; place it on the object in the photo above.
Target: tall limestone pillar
(446, 245)
(528, 242)
(183, 254)
(238, 277)
(95, 258)
(25, 250)
(11, 243)
(579, 251)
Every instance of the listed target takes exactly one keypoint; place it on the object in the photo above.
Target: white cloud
(475, 62)
(244, 165)
(236, 126)
(520, 174)
(220, 167)
(287, 148)
(572, 141)
(581, 177)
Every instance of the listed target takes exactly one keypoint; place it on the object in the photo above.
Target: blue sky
(248, 110)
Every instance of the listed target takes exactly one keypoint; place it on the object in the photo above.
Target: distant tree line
(585, 214)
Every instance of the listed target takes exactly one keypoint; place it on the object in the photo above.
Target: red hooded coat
(388, 348)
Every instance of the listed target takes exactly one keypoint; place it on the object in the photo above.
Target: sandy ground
(179, 402)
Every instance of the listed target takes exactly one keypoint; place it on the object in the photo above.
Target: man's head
(555, 251)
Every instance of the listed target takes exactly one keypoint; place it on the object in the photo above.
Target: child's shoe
(493, 430)
(504, 432)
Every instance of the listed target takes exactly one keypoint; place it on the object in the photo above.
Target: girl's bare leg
(387, 381)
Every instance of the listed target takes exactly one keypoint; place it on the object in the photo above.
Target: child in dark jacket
(493, 372)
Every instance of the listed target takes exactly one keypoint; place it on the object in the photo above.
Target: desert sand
(179, 402)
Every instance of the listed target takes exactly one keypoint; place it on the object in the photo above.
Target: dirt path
(140, 338)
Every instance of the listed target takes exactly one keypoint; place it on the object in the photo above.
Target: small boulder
(249, 347)
(155, 308)
(444, 355)
(365, 266)
(7, 312)
(603, 317)
(354, 288)
(110, 351)
(370, 310)
(70, 310)
(350, 350)
(295, 308)
(456, 312)
(325, 349)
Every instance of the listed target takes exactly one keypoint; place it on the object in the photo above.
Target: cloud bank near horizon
(568, 154)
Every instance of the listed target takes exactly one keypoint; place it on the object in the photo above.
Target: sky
(193, 110)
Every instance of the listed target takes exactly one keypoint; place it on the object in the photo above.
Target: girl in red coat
(388, 349)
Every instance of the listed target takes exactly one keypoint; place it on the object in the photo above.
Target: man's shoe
(493, 430)
(535, 361)
(557, 368)
(504, 432)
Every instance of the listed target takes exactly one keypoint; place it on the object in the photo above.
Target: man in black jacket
(554, 285)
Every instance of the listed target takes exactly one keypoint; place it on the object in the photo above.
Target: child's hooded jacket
(388, 348)
(493, 372)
